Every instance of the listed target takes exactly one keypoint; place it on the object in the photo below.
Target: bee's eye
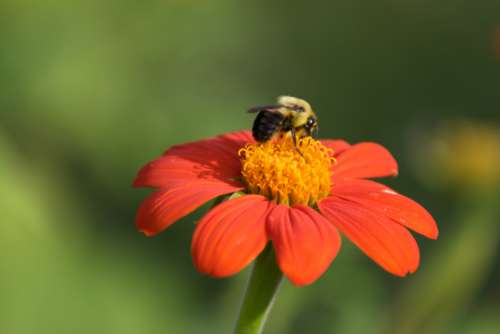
(310, 121)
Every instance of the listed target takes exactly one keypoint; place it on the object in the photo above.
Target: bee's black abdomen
(266, 124)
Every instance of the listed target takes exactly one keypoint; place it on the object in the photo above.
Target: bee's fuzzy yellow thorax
(276, 169)
(290, 100)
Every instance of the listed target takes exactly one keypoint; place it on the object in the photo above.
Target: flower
(446, 147)
(297, 200)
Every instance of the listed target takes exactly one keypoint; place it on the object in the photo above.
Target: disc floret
(288, 174)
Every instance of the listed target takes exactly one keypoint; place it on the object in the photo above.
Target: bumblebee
(290, 116)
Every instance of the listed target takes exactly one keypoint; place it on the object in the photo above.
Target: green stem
(261, 291)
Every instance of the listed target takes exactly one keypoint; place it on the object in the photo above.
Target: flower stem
(261, 291)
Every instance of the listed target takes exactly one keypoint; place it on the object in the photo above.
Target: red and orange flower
(296, 201)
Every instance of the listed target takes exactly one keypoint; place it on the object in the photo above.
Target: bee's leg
(294, 138)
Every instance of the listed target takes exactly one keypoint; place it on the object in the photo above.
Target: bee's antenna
(316, 132)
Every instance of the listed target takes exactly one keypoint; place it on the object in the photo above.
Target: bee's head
(311, 125)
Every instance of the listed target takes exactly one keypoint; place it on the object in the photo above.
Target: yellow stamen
(276, 169)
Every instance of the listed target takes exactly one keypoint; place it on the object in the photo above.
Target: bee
(290, 116)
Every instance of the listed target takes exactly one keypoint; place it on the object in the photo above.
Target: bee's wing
(272, 107)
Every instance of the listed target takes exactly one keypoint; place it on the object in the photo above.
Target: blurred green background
(92, 90)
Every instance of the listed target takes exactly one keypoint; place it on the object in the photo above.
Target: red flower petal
(230, 236)
(364, 160)
(386, 242)
(163, 208)
(305, 242)
(337, 145)
(380, 198)
(214, 159)
(356, 186)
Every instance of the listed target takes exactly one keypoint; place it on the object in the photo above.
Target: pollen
(278, 171)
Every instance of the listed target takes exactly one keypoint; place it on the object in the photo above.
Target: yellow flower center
(277, 170)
